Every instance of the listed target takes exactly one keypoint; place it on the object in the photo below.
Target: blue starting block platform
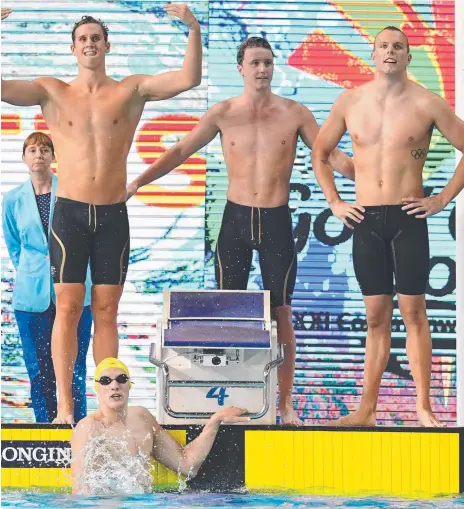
(215, 348)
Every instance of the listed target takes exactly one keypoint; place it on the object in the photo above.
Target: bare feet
(427, 419)
(357, 418)
(288, 417)
(64, 416)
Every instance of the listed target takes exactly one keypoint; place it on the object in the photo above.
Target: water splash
(111, 469)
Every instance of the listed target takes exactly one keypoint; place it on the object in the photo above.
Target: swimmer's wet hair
(86, 20)
(394, 29)
(252, 42)
(38, 138)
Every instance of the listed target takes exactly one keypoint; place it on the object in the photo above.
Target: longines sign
(34, 454)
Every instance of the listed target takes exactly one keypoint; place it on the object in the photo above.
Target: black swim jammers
(81, 232)
(269, 231)
(390, 242)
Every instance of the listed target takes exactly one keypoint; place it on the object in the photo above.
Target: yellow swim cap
(110, 362)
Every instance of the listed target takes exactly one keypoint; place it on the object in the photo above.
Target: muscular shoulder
(85, 428)
(91, 422)
(223, 107)
(217, 114)
(295, 108)
(131, 82)
(51, 84)
(352, 96)
(140, 413)
(425, 98)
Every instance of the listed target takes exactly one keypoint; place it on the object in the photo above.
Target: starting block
(215, 348)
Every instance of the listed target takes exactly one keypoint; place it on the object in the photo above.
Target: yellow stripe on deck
(407, 464)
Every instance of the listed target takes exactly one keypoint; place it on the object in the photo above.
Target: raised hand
(182, 12)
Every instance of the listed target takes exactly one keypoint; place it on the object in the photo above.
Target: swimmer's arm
(308, 133)
(452, 128)
(188, 460)
(11, 234)
(184, 460)
(23, 92)
(327, 140)
(201, 135)
(169, 84)
(342, 163)
(79, 439)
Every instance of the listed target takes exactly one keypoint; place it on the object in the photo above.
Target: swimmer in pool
(128, 436)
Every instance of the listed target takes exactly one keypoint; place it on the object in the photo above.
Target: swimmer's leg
(109, 262)
(379, 310)
(411, 248)
(105, 302)
(69, 256)
(69, 305)
(278, 263)
(374, 268)
(234, 252)
(286, 371)
(419, 350)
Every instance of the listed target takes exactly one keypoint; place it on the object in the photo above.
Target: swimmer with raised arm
(92, 121)
(129, 436)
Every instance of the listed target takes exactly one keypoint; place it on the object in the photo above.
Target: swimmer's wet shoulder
(133, 432)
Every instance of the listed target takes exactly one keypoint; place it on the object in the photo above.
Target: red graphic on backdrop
(322, 56)
(11, 123)
(150, 146)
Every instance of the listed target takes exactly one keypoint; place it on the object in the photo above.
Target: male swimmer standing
(259, 133)
(92, 121)
(390, 121)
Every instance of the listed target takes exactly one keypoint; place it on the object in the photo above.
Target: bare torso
(134, 432)
(116, 457)
(259, 147)
(92, 133)
(391, 137)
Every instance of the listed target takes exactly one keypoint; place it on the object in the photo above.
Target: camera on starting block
(215, 359)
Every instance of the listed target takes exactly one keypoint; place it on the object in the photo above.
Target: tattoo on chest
(419, 153)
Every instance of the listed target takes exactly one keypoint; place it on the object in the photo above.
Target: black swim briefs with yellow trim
(82, 232)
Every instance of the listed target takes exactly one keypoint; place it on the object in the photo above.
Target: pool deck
(396, 461)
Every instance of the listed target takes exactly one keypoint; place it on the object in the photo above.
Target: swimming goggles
(106, 380)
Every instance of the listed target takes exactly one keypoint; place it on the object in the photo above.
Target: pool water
(22, 499)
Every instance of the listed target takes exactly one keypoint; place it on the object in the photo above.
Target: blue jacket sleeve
(10, 233)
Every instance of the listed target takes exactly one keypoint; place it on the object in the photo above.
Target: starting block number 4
(219, 393)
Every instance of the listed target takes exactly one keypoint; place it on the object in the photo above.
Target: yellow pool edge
(402, 462)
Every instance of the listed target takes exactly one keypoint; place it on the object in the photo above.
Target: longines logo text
(47, 454)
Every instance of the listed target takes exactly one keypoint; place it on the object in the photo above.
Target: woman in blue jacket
(26, 214)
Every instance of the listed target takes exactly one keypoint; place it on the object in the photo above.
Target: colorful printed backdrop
(322, 48)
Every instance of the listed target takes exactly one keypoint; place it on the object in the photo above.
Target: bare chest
(82, 115)
(136, 439)
(398, 125)
(268, 132)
